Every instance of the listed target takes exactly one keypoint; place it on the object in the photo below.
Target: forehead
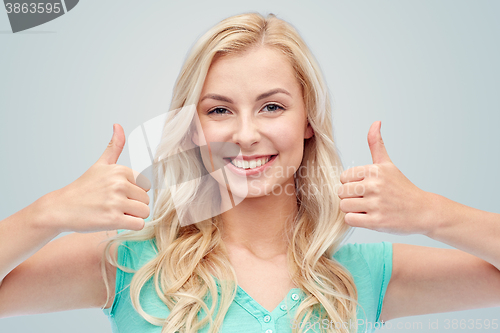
(253, 71)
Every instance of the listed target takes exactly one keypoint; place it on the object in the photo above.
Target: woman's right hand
(105, 197)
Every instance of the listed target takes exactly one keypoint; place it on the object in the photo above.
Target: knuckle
(120, 186)
(371, 187)
(122, 170)
(115, 207)
(359, 189)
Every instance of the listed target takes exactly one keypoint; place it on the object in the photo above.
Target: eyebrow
(261, 96)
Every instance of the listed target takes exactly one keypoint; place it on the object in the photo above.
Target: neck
(260, 225)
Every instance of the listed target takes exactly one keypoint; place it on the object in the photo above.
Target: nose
(247, 132)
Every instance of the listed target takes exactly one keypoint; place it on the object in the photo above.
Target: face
(252, 104)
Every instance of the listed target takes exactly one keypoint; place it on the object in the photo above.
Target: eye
(218, 111)
(273, 108)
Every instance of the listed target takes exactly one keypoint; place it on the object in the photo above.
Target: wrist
(438, 215)
(43, 216)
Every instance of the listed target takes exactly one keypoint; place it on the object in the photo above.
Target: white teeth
(244, 164)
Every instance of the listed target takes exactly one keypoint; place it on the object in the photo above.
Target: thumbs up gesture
(379, 197)
(106, 197)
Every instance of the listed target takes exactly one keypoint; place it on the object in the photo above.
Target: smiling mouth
(249, 164)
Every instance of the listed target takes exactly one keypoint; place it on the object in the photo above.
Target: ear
(309, 132)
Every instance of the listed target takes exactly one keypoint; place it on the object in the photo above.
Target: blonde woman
(250, 120)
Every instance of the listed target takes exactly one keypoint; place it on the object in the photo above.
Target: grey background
(428, 69)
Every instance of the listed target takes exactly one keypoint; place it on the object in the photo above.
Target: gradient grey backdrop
(428, 69)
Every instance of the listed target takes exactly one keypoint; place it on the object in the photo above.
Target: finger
(132, 223)
(352, 190)
(376, 144)
(136, 209)
(142, 181)
(139, 180)
(115, 146)
(359, 220)
(354, 174)
(138, 194)
(353, 205)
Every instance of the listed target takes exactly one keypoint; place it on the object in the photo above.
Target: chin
(256, 189)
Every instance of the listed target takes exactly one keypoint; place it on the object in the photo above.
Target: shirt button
(295, 297)
(267, 319)
(269, 331)
(283, 307)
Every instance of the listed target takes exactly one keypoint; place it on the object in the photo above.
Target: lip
(249, 172)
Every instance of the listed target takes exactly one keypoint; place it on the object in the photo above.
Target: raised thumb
(115, 146)
(376, 144)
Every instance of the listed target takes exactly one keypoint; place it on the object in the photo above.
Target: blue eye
(273, 107)
(217, 111)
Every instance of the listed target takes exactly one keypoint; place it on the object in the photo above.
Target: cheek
(209, 133)
(288, 137)
(217, 130)
(216, 144)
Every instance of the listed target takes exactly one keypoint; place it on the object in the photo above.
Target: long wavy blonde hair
(190, 256)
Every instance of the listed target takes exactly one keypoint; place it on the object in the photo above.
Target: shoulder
(362, 258)
(133, 254)
(366, 252)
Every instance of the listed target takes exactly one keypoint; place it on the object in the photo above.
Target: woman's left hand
(379, 197)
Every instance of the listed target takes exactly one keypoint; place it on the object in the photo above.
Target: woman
(273, 254)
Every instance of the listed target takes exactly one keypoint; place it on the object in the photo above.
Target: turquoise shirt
(370, 264)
